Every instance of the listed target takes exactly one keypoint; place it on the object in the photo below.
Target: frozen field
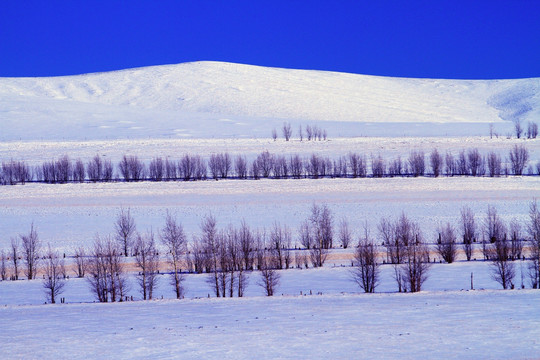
(445, 321)
(71, 214)
(35, 152)
(429, 325)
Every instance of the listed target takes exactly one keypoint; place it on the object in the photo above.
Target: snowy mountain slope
(205, 99)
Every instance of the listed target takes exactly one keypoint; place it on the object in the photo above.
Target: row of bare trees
(26, 254)
(312, 132)
(228, 255)
(531, 132)
(267, 165)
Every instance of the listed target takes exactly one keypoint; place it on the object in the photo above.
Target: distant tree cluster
(311, 133)
(531, 132)
(267, 165)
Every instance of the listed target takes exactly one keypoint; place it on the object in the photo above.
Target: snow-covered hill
(212, 99)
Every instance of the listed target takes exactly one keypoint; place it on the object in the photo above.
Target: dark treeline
(266, 165)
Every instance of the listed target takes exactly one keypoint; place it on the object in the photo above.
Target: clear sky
(472, 39)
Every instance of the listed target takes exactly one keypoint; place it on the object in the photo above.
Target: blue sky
(471, 39)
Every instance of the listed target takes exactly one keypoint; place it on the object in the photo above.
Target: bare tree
(131, 168)
(300, 133)
(345, 236)
(287, 132)
(280, 167)
(502, 269)
(468, 231)
(267, 264)
(94, 169)
(241, 167)
(15, 256)
(173, 237)
(246, 241)
(475, 163)
(309, 133)
(125, 230)
(53, 281)
(156, 169)
(366, 273)
(532, 130)
(519, 155)
(416, 266)
(107, 171)
(280, 243)
(171, 170)
(197, 258)
(494, 164)
(230, 260)
(107, 278)
(81, 262)
(493, 226)
(518, 128)
(417, 163)
(446, 245)
(516, 245)
(322, 225)
(534, 265)
(3, 265)
(98, 278)
(304, 233)
(386, 234)
(397, 167)
(402, 237)
(533, 229)
(450, 165)
(211, 244)
(274, 134)
(147, 260)
(186, 167)
(62, 169)
(214, 165)
(320, 229)
(436, 162)
(265, 163)
(31, 246)
(78, 171)
(461, 164)
(296, 166)
(378, 167)
(241, 255)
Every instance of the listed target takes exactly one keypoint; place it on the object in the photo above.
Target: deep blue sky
(444, 39)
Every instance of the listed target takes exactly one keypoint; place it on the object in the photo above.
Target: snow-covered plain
(446, 321)
(431, 325)
(208, 107)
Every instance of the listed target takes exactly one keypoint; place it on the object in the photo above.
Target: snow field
(70, 215)
(36, 152)
(433, 325)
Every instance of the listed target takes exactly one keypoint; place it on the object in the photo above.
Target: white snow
(68, 215)
(430, 325)
(212, 99)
